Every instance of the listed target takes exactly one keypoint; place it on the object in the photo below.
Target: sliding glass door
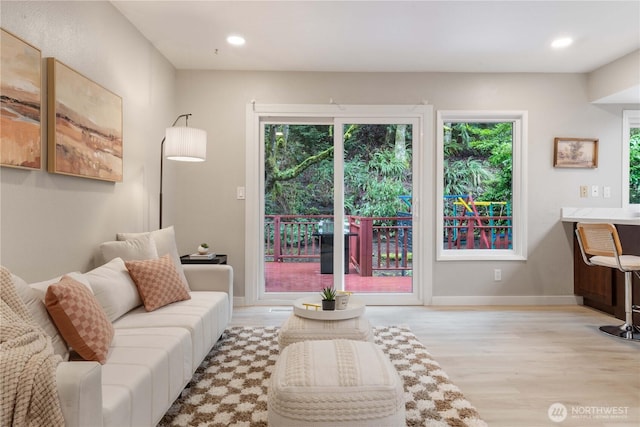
(376, 178)
(337, 207)
(298, 207)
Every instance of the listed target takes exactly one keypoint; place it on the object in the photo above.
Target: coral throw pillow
(80, 319)
(158, 282)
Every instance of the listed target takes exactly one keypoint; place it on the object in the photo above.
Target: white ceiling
(450, 36)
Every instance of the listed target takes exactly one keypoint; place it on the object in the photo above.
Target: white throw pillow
(140, 248)
(38, 311)
(165, 239)
(40, 288)
(113, 288)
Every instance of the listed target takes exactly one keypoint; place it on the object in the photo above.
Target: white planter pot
(342, 301)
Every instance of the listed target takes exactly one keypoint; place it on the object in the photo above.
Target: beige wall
(618, 81)
(557, 104)
(52, 224)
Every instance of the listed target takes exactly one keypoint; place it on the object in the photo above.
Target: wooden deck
(306, 277)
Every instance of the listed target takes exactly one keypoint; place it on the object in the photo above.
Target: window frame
(518, 252)
(630, 119)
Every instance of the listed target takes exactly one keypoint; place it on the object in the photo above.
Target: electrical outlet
(595, 191)
(497, 275)
(584, 191)
(606, 192)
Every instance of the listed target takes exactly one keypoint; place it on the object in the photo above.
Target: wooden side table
(218, 259)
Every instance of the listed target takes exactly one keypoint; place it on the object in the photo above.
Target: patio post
(276, 239)
(366, 247)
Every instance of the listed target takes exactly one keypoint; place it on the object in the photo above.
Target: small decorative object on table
(342, 299)
(328, 298)
(203, 248)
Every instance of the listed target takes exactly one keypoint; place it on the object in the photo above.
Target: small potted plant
(203, 249)
(328, 298)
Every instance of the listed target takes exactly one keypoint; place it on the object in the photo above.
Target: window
(630, 157)
(481, 185)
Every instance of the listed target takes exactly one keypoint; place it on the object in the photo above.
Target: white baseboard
(508, 300)
(478, 300)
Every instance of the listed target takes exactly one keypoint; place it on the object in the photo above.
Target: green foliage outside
(377, 166)
(634, 166)
(392, 256)
(478, 160)
(299, 169)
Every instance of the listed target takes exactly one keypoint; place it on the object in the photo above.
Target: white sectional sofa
(152, 355)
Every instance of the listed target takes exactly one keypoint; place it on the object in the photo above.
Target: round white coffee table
(355, 308)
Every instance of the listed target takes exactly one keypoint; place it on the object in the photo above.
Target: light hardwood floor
(512, 363)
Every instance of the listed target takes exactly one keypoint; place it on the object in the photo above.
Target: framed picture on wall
(21, 102)
(84, 126)
(575, 153)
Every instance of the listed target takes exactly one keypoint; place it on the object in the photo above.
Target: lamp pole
(186, 119)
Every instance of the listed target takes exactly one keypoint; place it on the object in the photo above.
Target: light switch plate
(595, 191)
(240, 194)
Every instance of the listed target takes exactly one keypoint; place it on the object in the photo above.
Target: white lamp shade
(185, 144)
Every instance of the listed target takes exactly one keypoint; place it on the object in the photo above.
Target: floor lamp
(183, 144)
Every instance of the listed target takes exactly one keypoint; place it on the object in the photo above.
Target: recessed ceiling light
(236, 40)
(561, 42)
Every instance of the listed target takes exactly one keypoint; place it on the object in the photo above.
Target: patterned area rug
(230, 387)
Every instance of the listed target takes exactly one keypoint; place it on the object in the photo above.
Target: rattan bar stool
(600, 245)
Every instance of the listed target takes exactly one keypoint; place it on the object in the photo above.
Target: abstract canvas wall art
(20, 103)
(84, 122)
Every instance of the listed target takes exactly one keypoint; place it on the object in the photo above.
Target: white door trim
(423, 201)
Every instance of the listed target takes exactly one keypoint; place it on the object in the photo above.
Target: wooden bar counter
(603, 288)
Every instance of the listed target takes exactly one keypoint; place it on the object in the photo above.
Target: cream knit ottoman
(297, 328)
(336, 383)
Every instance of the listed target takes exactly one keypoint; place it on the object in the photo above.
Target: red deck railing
(378, 243)
(487, 232)
(381, 246)
(292, 236)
